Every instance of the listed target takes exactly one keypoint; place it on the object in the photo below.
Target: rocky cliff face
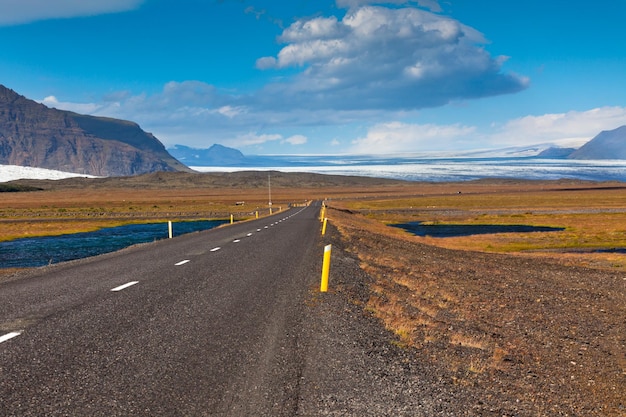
(34, 135)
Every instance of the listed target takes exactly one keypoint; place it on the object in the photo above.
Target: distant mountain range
(34, 135)
(216, 155)
(606, 145)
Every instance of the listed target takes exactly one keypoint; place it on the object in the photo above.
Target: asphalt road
(204, 324)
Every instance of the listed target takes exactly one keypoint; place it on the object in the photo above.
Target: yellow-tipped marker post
(324, 226)
(323, 213)
(325, 268)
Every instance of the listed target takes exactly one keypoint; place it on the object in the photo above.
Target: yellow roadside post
(324, 226)
(325, 268)
(232, 219)
(257, 214)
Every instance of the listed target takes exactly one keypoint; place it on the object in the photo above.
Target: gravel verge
(414, 330)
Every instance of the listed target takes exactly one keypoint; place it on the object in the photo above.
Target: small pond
(40, 251)
(456, 230)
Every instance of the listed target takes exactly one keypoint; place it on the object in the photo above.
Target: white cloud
(384, 58)
(83, 108)
(395, 137)
(231, 111)
(13, 12)
(255, 139)
(296, 140)
(252, 138)
(573, 128)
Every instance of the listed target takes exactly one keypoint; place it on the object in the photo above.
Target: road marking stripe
(122, 287)
(249, 234)
(215, 249)
(236, 240)
(182, 262)
(9, 336)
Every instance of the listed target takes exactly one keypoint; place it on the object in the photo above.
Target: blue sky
(327, 77)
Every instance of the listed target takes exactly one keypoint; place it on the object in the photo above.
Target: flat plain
(535, 321)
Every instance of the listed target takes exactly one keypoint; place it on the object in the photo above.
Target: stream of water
(40, 251)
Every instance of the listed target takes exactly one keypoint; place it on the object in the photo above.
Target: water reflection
(456, 230)
(40, 251)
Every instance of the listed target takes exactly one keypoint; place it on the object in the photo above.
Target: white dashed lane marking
(182, 262)
(123, 287)
(9, 336)
(215, 249)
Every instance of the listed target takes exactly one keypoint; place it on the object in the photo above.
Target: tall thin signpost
(269, 187)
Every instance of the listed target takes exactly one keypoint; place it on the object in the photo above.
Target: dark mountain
(216, 155)
(556, 153)
(609, 144)
(34, 135)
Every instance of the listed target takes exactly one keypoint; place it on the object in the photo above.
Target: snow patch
(15, 172)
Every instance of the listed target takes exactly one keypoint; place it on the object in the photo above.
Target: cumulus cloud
(385, 58)
(13, 12)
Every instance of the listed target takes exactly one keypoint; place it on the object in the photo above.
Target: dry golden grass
(42, 213)
(75, 205)
(509, 326)
(593, 217)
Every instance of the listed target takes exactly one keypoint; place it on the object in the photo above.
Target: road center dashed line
(236, 240)
(123, 287)
(182, 262)
(249, 234)
(9, 336)
(215, 249)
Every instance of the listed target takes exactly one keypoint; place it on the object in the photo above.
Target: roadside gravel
(474, 334)
(353, 366)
